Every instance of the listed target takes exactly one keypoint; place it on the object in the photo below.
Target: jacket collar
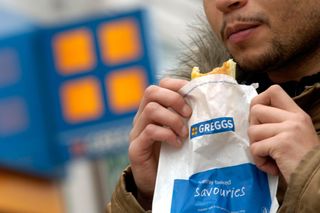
(293, 88)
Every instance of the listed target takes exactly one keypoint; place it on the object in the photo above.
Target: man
(273, 42)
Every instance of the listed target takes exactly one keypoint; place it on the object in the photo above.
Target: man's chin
(257, 63)
(249, 66)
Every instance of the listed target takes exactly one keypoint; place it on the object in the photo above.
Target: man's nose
(227, 6)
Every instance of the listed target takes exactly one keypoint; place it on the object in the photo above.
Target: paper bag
(214, 172)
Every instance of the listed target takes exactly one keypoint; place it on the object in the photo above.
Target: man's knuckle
(254, 150)
(295, 126)
(275, 89)
(150, 90)
(285, 139)
(253, 102)
(151, 107)
(302, 118)
(149, 130)
(255, 109)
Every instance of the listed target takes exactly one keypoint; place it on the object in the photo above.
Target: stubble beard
(286, 52)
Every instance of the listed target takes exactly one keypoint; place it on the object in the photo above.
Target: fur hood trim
(205, 51)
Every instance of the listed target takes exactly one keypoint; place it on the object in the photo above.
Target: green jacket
(301, 195)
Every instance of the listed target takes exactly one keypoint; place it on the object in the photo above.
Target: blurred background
(72, 73)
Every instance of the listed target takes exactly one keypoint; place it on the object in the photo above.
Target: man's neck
(297, 70)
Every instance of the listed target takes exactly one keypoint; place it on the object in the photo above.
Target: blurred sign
(25, 142)
(71, 90)
(98, 71)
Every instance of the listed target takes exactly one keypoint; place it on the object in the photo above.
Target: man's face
(264, 35)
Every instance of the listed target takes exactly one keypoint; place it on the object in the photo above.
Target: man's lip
(235, 28)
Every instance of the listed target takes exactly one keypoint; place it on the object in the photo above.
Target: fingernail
(179, 141)
(186, 110)
(184, 131)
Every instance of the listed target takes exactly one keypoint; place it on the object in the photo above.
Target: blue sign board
(71, 90)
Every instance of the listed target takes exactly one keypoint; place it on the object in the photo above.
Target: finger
(157, 114)
(275, 96)
(260, 114)
(261, 153)
(141, 147)
(172, 83)
(263, 148)
(166, 98)
(263, 131)
(268, 165)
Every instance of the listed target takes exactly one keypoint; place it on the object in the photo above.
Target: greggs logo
(213, 126)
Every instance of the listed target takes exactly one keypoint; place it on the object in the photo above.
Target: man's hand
(159, 119)
(280, 132)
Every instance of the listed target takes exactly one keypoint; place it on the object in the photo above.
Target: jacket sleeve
(123, 199)
(303, 192)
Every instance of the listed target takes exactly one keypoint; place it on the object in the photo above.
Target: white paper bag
(214, 170)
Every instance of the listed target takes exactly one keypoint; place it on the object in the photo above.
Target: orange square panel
(125, 89)
(81, 100)
(74, 51)
(120, 41)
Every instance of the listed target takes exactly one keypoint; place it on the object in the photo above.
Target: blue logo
(214, 126)
(241, 189)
